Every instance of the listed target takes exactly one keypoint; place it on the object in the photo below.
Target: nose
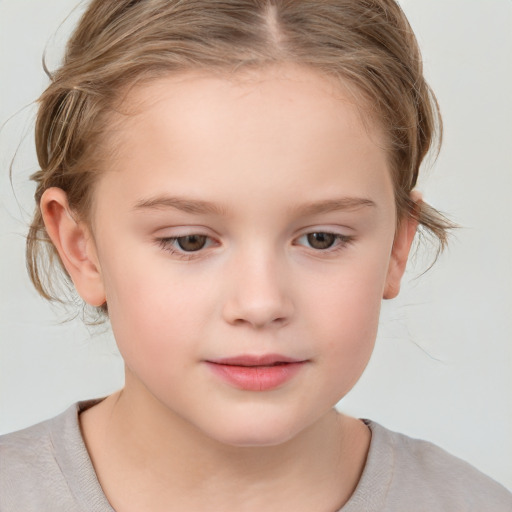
(258, 294)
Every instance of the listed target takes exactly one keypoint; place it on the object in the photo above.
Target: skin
(276, 154)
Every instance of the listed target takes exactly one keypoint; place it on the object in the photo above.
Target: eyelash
(168, 244)
(340, 241)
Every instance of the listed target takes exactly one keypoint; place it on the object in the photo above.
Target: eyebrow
(332, 205)
(194, 206)
(200, 207)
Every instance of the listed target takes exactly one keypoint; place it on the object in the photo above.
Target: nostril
(259, 323)
(258, 297)
(240, 314)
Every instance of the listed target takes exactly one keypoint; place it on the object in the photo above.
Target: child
(231, 184)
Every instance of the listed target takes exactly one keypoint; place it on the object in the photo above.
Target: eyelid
(179, 230)
(168, 243)
(342, 239)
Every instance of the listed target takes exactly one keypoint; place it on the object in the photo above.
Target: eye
(186, 244)
(322, 240)
(191, 243)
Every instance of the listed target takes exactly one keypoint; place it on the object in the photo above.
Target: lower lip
(256, 378)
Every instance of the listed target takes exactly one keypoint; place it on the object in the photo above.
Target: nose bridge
(258, 290)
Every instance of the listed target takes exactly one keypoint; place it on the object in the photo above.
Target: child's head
(233, 181)
(367, 46)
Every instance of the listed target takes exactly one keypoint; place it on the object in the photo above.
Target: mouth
(254, 360)
(256, 373)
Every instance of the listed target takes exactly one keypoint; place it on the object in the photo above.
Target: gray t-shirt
(46, 468)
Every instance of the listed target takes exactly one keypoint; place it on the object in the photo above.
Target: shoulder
(427, 477)
(46, 467)
(27, 451)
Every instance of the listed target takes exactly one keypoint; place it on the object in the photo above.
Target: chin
(251, 434)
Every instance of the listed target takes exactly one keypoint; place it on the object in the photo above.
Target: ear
(400, 252)
(75, 245)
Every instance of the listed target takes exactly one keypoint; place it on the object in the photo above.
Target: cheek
(349, 297)
(150, 311)
(346, 316)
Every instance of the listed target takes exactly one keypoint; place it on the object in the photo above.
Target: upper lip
(255, 360)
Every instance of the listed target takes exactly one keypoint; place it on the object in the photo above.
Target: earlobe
(399, 256)
(75, 246)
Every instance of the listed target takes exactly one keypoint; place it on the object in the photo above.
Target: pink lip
(256, 373)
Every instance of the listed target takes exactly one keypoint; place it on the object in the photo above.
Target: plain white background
(442, 369)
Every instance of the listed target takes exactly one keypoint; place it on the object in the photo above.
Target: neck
(147, 457)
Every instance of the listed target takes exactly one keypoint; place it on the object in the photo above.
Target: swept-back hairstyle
(367, 44)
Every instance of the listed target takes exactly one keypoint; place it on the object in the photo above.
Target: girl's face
(244, 238)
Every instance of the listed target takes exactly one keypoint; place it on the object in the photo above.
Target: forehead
(286, 90)
(285, 127)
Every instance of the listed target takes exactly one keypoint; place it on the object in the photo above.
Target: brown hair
(368, 44)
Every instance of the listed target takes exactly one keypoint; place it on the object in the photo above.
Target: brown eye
(191, 243)
(321, 240)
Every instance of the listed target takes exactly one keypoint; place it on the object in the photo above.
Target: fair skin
(290, 197)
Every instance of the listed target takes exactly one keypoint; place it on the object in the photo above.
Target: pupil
(192, 242)
(321, 240)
